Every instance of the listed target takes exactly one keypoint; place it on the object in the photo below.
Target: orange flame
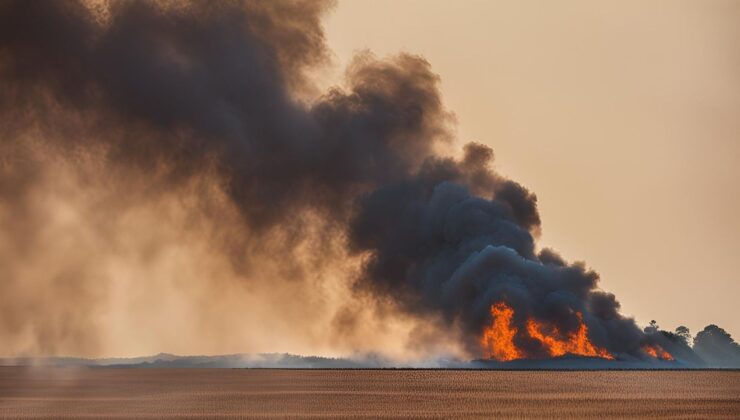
(574, 343)
(497, 340)
(657, 352)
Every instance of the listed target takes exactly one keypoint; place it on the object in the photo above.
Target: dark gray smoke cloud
(211, 87)
(205, 82)
(456, 238)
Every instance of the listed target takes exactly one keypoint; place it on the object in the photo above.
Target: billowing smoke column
(212, 87)
(458, 239)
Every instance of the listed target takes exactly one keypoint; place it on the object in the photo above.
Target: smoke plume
(169, 171)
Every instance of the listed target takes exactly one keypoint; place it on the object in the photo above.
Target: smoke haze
(164, 187)
(172, 180)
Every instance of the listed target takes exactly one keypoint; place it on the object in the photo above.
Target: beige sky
(622, 116)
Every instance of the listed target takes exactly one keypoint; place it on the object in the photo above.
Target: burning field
(498, 341)
(501, 340)
(172, 179)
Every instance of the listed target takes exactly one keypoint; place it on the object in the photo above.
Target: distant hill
(290, 361)
(265, 360)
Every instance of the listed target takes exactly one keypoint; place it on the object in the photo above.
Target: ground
(137, 393)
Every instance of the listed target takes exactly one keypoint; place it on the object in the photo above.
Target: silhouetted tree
(652, 328)
(674, 343)
(684, 333)
(716, 347)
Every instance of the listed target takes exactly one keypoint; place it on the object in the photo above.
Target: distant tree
(672, 343)
(716, 347)
(652, 328)
(684, 333)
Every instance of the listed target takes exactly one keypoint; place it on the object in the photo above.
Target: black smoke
(215, 86)
(456, 238)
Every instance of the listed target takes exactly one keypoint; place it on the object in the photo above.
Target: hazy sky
(623, 117)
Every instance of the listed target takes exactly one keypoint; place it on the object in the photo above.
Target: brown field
(136, 393)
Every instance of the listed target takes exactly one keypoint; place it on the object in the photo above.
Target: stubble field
(137, 393)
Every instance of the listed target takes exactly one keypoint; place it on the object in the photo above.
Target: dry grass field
(137, 393)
